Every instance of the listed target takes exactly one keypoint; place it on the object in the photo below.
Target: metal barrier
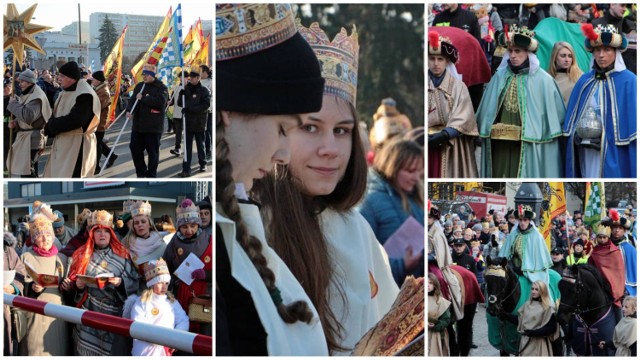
(175, 339)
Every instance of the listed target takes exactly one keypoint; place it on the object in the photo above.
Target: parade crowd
(506, 92)
(491, 246)
(125, 268)
(67, 111)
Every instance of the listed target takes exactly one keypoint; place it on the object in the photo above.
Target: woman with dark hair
(395, 195)
(102, 254)
(310, 202)
(265, 83)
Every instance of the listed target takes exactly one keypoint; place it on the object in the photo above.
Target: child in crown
(157, 306)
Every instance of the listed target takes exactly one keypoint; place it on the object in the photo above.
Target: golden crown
(126, 205)
(140, 208)
(40, 224)
(604, 230)
(338, 59)
(101, 217)
(244, 29)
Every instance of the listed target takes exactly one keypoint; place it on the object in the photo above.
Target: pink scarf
(45, 253)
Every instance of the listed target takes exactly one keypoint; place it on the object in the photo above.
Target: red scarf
(45, 253)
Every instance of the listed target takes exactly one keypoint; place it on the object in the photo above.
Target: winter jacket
(148, 116)
(198, 101)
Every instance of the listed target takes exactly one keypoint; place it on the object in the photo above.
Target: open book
(98, 281)
(47, 281)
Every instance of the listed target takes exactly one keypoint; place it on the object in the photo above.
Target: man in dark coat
(455, 16)
(16, 287)
(197, 100)
(148, 119)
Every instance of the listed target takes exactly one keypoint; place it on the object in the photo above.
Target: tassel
(587, 30)
(613, 214)
(434, 40)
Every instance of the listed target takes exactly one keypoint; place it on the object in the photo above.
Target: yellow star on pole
(18, 31)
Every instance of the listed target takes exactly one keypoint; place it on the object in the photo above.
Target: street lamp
(530, 194)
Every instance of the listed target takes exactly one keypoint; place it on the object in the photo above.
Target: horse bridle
(498, 271)
(577, 308)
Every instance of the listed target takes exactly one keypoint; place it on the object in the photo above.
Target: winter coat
(198, 101)
(148, 116)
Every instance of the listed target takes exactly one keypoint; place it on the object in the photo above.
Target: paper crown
(526, 212)
(85, 215)
(187, 213)
(441, 45)
(40, 225)
(603, 230)
(100, 217)
(244, 29)
(43, 209)
(126, 205)
(603, 35)
(140, 208)
(338, 59)
(518, 36)
(156, 271)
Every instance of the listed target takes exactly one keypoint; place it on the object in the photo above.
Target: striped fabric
(172, 54)
(91, 341)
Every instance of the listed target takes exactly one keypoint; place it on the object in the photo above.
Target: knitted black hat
(283, 79)
(71, 70)
(98, 75)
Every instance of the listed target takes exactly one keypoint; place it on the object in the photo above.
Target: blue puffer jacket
(382, 208)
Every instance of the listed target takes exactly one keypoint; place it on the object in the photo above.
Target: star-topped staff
(19, 31)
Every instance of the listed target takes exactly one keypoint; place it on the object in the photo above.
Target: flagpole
(113, 148)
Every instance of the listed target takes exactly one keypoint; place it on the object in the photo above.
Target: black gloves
(595, 144)
(438, 139)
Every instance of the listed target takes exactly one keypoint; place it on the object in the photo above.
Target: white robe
(363, 271)
(283, 339)
(169, 315)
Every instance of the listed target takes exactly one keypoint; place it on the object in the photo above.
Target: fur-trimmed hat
(187, 213)
(156, 271)
(525, 212)
(616, 220)
(441, 45)
(520, 37)
(603, 35)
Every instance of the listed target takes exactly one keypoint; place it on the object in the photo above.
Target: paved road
(481, 335)
(169, 165)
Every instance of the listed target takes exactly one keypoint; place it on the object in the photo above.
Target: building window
(29, 190)
(67, 187)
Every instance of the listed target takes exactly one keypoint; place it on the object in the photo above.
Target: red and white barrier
(175, 339)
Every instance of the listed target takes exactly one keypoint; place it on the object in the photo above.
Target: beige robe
(625, 335)
(438, 340)
(19, 158)
(438, 245)
(62, 159)
(450, 106)
(46, 336)
(532, 316)
(565, 85)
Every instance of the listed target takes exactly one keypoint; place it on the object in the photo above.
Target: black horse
(586, 307)
(503, 294)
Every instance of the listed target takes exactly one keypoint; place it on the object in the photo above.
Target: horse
(503, 294)
(506, 293)
(587, 306)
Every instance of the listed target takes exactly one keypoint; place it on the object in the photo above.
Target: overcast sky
(59, 13)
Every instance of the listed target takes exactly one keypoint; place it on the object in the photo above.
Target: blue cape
(630, 255)
(619, 91)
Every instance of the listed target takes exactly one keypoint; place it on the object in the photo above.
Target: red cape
(608, 260)
(472, 292)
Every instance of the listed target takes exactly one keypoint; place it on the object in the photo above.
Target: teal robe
(536, 259)
(542, 113)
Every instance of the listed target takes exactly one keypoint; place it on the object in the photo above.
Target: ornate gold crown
(520, 37)
(40, 224)
(243, 29)
(101, 217)
(140, 208)
(338, 59)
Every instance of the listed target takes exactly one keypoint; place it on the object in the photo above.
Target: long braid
(225, 193)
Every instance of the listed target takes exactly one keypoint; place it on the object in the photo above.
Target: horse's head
(568, 294)
(583, 292)
(495, 278)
